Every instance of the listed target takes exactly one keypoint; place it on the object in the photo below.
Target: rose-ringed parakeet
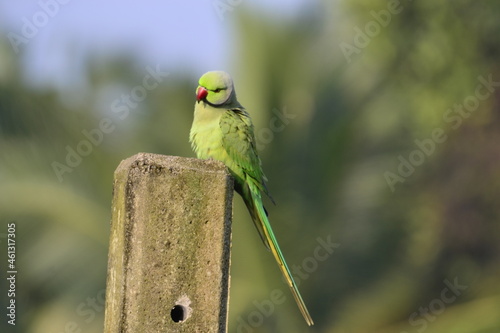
(222, 130)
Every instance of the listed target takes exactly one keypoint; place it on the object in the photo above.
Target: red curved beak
(201, 93)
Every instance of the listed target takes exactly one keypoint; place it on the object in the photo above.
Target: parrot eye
(217, 90)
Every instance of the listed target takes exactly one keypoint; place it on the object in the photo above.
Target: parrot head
(215, 88)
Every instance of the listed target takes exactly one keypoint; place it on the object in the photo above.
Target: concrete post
(169, 252)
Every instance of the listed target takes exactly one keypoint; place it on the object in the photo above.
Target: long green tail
(264, 227)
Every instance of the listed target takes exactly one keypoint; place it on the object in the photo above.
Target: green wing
(238, 140)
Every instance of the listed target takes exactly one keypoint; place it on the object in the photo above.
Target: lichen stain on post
(169, 243)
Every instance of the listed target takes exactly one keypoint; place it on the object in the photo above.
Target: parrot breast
(206, 135)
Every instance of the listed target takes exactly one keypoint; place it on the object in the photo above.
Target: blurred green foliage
(350, 119)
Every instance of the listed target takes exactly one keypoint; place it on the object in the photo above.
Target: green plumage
(223, 130)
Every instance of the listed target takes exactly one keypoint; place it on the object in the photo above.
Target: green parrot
(222, 130)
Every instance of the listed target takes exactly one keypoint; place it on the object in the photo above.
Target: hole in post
(178, 313)
(181, 311)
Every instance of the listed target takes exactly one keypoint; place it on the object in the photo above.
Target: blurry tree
(354, 116)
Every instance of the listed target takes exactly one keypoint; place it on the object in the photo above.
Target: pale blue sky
(187, 35)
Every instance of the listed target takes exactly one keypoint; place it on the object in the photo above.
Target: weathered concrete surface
(169, 245)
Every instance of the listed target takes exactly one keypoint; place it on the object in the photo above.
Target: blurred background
(378, 126)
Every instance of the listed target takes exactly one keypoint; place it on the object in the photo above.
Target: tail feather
(261, 221)
(257, 221)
